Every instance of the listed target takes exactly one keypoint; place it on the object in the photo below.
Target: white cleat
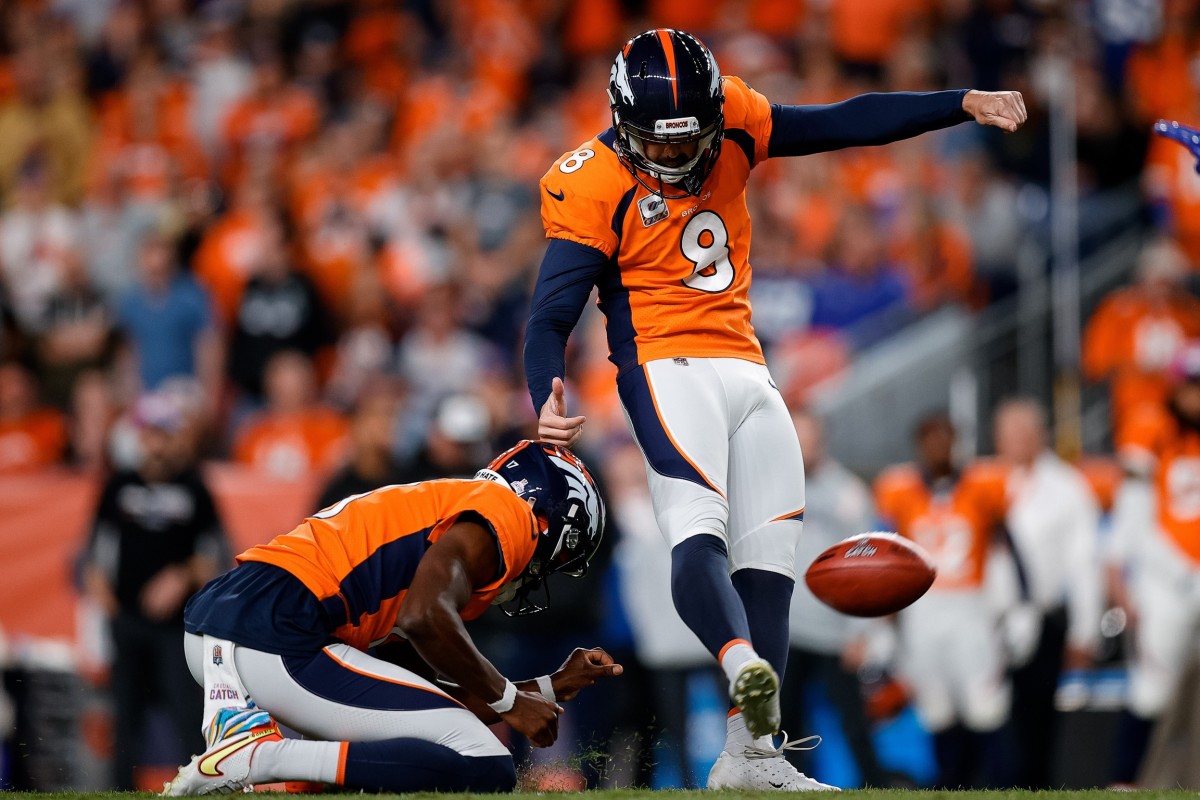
(755, 691)
(763, 770)
(224, 768)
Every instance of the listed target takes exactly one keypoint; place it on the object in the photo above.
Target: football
(871, 575)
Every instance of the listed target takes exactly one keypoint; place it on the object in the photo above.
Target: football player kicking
(284, 635)
(653, 213)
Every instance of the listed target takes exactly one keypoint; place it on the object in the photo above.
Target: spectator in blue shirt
(860, 285)
(167, 320)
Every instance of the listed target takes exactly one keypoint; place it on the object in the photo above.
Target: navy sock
(1133, 735)
(767, 598)
(704, 596)
(416, 765)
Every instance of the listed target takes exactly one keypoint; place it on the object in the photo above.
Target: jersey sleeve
(564, 283)
(1099, 341)
(579, 197)
(747, 118)
(866, 120)
(890, 489)
(510, 520)
(985, 484)
(1139, 438)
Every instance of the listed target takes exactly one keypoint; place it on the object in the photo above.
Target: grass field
(641, 794)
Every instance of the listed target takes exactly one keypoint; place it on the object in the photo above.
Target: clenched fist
(1004, 110)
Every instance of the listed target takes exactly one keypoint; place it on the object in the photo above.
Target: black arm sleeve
(869, 119)
(565, 280)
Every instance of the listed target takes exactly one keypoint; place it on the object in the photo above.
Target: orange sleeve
(889, 494)
(987, 486)
(1188, 314)
(748, 110)
(1099, 350)
(510, 518)
(49, 430)
(245, 442)
(580, 194)
(1139, 436)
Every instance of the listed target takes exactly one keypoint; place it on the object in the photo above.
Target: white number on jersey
(705, 243)
(576, 160)
(1183, 488)
(340, 505)
(948, 539)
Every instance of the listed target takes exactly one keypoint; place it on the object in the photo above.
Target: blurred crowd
(301, 235)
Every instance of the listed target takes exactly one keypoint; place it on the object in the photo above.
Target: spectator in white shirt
(1053, 521)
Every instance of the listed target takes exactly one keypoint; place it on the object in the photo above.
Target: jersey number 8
(576, 160)
(705, 243)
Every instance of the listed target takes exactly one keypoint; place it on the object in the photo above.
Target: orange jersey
(1153, 436)
(359, 555)
(36, 440)
(291, 445)
(680, 284)
(1132, 341)
(954, 526)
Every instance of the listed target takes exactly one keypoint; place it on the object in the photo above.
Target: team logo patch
(520, 486)
(218, 658)
(653, 209)
(683, 362)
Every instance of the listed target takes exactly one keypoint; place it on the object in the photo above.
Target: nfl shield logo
(218, 659)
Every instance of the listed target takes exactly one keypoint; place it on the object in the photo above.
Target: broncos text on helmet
(665, 88)
(568, 507)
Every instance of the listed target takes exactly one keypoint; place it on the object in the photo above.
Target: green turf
(636, 794)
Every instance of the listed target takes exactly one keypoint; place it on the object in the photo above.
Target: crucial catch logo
(223, 691)
(864, 550)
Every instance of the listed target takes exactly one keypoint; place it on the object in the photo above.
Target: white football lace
(754, 751)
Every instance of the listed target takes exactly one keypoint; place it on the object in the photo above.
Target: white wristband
(507, 700)
(546, 687)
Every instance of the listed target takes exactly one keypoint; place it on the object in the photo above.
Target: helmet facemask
(689, 176)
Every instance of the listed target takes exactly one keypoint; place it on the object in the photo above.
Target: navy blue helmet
(665, 87)
(568, 507)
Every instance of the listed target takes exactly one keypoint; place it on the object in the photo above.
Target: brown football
(871, 575)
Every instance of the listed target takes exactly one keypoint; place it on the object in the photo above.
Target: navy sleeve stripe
(743, 140)
(618, 220)
(869, 119)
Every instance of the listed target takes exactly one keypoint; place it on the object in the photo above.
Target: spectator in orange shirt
(223, 258)
(866, 32)
(295, 436)
(265, 127)
(934, 255)
(30, 436)
(1136, 331)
